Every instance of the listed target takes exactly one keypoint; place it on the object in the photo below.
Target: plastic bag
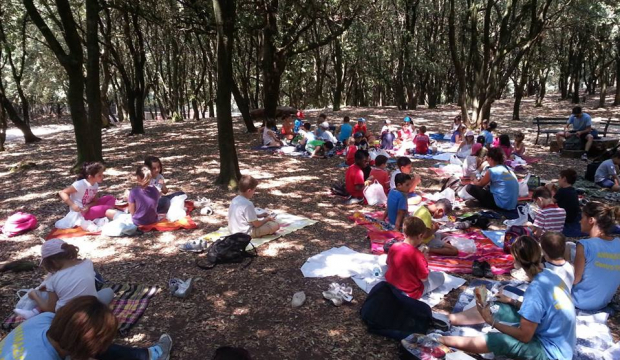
(455, 160)
(524, 190)
(462, 244)
(25, 302)
(447, 193)
(177, 208)
(375, 194)
(122, 225)
(70, 220)
(464, 195)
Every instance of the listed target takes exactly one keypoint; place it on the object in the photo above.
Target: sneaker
(477, 269)
(161, 350)
(199, 245)
(584, 157)
(180, 288)
(345, 292)
(335, 294)
(487, 270)
(202, 202)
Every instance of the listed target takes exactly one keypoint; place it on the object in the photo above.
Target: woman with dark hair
(546, 317)
(83, 329)
(503, 189)
(596, 259)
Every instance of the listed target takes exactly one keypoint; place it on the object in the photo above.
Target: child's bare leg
(446, 250)
(468, 317)
(110, 213)
(471, 344)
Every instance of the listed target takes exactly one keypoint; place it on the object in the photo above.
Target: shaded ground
(230, 305)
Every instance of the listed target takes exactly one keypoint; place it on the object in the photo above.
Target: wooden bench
(609, 136)
(547, 121)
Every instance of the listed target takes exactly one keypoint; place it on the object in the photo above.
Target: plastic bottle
(377, 272)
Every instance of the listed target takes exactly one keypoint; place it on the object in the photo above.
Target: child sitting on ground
(488, 134)
(360, 141)
(387, 135)
(319, 148)
(354, 179)
(397, 207)
(473, 162)
(504, 144)
(360, 127)
(438, 210)
(323, 133)
(457, 130)
(306, 136)
(143, 199)
(407, 266)
(344, 131)
(350, 152)
(567, 198)
(68, 278)
(404, 166)
(464, 149)
(270, 139)
(159, 182)
(606, 175)
(554, 245)
(481, 140)
(379, 172)
(519, 146)
(422, 142)
(242, 217)
(549, 217)
(287, 132)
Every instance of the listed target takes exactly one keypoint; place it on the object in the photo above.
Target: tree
(225, 12)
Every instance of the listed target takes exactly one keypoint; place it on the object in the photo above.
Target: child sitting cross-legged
(242, 217)
(68, 278)
(407, 266)
(432, 239)
(379, 172)
(567, 198)
(553, 246)
(549, 217)
(405, 166)
(397, 207)
(422, 142)
(354, 179)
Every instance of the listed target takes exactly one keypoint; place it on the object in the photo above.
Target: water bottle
(377, 272)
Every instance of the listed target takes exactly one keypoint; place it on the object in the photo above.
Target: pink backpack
(19, 223)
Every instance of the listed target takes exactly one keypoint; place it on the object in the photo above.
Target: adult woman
(83, 329)
(503, 189)
(546, 317)
(596, 259)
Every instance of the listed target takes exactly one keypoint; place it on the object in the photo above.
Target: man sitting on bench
(582, 127)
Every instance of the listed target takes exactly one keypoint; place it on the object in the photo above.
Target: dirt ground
(233, 306)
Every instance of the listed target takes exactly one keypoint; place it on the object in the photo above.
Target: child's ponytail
(527, 252)
(144, 175)
(607, 217)
(90, 169)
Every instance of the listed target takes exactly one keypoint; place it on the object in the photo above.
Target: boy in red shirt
(360, 127)
(380, 173)
(407, 265)
(351, 150)
(354, 177)
(421, 141)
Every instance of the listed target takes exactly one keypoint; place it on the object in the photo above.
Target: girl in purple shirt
(143, 198)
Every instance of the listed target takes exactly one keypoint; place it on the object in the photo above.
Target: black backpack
(228, 249)
(591, 170)
(573, 143)
(387, 311)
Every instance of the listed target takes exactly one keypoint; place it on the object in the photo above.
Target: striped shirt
(550, 218)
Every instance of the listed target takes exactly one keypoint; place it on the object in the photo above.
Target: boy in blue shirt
(488, 134)
(397, 207)
(344, 131)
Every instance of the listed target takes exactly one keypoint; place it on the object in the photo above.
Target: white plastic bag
(455, 160)
(70, 220)
(375, 195)
(447, 193)
(25, 302)
(523, 189)
(177, 208)
(122, 225)
(462, 244)
(463, 194)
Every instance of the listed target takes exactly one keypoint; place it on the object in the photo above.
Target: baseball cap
(388, 121)
(358, 135)
(407, 119)
(476, 148)
(325, 125)
(361, 120)
(469, 133)
(51, 247)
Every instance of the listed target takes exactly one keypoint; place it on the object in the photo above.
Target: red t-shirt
(421, 144)
(351, 155)
(354, 176)
(406, 266)
(382, 177)
(358, 128)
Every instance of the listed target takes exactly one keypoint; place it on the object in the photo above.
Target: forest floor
(230, 305)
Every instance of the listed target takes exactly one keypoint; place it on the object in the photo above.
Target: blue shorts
(607, 183)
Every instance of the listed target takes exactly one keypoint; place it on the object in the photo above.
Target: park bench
(608, 136)
(542, 124)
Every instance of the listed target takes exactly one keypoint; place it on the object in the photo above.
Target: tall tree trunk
(519, 89)
(225, 14)
(617, 97)
(542, 91)
(244, 108)
(93, 89)
(3, 126)
(339, 74)
(6, 107)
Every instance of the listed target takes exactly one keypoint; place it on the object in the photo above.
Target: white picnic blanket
(345, 262)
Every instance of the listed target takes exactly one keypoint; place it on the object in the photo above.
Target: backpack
(19, 223)
(573, 143)
(512, 233)
(591, 170)
(228, 249)
(453, 182)
(388, 312)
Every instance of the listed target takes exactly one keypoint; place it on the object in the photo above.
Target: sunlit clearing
(289, 195)
(287, 180)
(275, 248)
(114, 172)
(32, 196)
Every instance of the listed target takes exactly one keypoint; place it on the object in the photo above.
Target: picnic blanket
(128, 305)
(594, 340)
(486, 250)
(288, 224)
(345, 262)
(162, 225)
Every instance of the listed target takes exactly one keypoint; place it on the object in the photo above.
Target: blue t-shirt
(601, 275)
(547, 302)
(580, 123)
(297, 125)
(29, 341)
(395, 201)
(488, 137)
(345, 132)
(504, 187)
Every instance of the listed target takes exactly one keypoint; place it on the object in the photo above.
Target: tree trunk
(244, 108)
(3, 126)
(339, 74)
(519, 88)
(617, 97)
(6, 107)
(225, 14)
(540, 96)
(93, 86)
